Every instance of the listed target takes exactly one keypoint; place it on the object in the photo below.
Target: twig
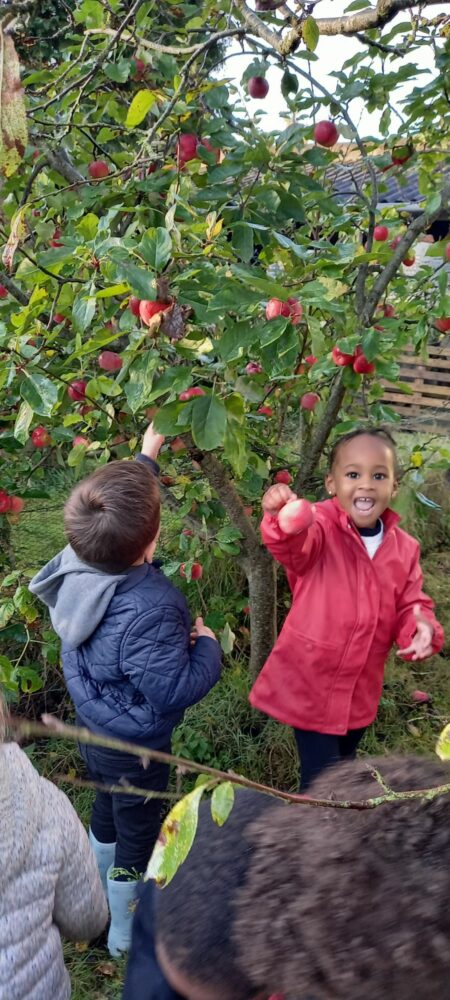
(52, 727)
(120, 789)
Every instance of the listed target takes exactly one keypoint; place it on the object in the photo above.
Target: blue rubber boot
(122, 898)
(104, 856)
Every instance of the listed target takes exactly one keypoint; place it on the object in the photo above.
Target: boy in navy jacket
(131, 663)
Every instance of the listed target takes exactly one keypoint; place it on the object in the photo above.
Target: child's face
(363, 479)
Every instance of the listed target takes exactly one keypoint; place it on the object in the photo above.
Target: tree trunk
(261, 574)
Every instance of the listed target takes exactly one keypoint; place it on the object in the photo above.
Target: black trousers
(320, 750)
(133, 823)
(143, 978)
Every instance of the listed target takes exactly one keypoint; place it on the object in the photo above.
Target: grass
(223, 730)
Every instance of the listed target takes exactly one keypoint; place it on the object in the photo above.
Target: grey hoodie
(76, 594)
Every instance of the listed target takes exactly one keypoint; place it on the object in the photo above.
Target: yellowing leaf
(443, 743)
(18, 233)
(13, 122)
(222, 801)
(333, 289)
(175, 839)
(416, 459)
(139, 107)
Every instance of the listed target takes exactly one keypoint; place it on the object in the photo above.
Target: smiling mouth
(364, 505)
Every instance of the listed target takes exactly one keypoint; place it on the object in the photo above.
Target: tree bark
(261, 573)
(320, 438)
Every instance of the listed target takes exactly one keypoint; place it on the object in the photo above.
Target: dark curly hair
(377, 432)
(342, 904)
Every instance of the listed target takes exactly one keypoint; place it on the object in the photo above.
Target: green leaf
(76, 455)
(140, 378)
(139, 281)
(242, 241)
(7, 679)
(156, 248)
(24, 603)
(217, 98)
(106, 293)
(118, 72)
(175, 839)
(227, 637)
(7, 610)
(443, 743)
(209, 421)
(39, 392)
(166, 419)
(89, 12)
(88, 226)
(237, 338)
(22, 422)
(139, 107)
(371, 344)
(310, 33)
(222, 802)
(83, 311)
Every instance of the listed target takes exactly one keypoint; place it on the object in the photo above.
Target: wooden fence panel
(428, 407)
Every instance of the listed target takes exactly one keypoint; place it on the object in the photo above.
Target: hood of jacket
(20, 809)
(76, 594)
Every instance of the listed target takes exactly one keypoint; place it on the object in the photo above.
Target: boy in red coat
(357, 589)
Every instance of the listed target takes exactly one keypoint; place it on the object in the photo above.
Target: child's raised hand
(276, 497)
(151, 443)
(421, 645)
(201, 629)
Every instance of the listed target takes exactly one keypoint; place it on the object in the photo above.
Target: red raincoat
(326, 670)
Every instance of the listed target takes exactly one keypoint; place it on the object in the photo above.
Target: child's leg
(316, 751)
(137, 820)
(348, 744)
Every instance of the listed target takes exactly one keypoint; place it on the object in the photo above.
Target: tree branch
(417, 226)
(60, 162)
(321, 435)
(352, 24)
(216, 475)
(17, 292)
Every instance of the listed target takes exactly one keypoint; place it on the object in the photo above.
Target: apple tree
(165, 256)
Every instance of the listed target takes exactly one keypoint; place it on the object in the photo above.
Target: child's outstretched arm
(418, 632)
(290, 529)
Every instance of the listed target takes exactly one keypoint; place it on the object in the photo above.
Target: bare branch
(17, 292)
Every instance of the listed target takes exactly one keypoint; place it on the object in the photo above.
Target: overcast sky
(332, 53)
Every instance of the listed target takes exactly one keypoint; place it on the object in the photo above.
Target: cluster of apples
(358, 361)
(9, 504)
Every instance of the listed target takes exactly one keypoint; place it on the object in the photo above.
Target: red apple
(110, 361)
(258, 87)
(275, 307)
(98, 169)
(447, 251)
(362, 366)
(186, 147)
(84, 410)
(140, 69)
(168, 480)
(190, 393)
(134, 305)
(253, 368)
(196, 571)
(283, 476)
(395, 242)
(388, 310)
(248, 511)
(295, 310)
(40, 437)
(246, 610)
(295, 516)
(79, 439)
(409, 261)
(400, 154)
(177, 444)
(16, 505)
(326, 133)
(309, 400)
(265, 411)
(421, 697)
(211, 149)
(149, 308)
(311, 359)
(59, 318)
(340, 358)
(3, 292)
(380, 233)
(5, 502)
(77, 390)
(56, 238)
(442, 324)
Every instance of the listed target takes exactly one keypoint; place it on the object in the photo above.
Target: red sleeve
(405, 628)
(296, 552)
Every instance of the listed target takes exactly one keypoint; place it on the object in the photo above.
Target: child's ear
(394, 489)
(329, 484)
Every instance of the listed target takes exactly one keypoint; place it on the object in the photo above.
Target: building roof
(397, 186)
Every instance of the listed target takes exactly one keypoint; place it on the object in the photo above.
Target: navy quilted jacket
(126, 653)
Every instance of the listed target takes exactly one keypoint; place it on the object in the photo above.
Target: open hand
(276, 497)
(151, 443)
(200, 629)
(421, 645)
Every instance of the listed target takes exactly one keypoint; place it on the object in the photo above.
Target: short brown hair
(112, 516)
